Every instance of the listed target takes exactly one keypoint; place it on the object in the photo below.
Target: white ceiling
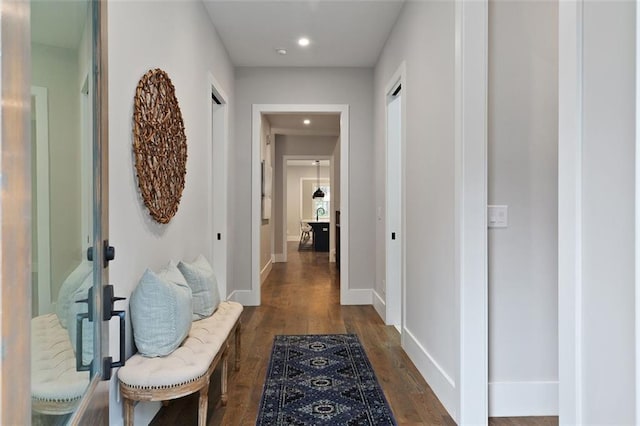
(58, 23)
(292, 124)
(343, 33)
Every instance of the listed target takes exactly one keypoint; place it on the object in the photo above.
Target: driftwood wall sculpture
(159, 145)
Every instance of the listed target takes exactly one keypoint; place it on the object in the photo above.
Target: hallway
(302, 296)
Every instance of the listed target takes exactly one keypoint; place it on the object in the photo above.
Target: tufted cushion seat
(56, 386)
(188, 368)
(191, 360)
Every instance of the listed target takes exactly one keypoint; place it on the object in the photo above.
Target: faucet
(318, 210)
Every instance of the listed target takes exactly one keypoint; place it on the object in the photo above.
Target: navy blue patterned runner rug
(323, 379)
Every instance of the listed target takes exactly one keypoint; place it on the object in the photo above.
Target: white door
(394, 235)
(219, 138)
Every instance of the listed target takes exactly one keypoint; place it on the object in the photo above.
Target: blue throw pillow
(160, 309)
(204, 286)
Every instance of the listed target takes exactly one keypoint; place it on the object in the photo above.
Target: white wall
(294, 176)
(187, 56)
(424, 37)
(523, 161)
(352, 86)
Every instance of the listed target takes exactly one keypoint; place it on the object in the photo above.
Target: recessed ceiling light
(303, 41)
(306, 121)
(281, 51)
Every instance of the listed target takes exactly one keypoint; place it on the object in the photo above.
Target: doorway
(394, 236)
(219, 137)
(299, 181)
(252, 297)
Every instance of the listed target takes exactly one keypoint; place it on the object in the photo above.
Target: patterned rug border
(378, 410)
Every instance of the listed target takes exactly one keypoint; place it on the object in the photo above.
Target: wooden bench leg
(238, 333)
(203, 405)
(128, 412)
(223, 379)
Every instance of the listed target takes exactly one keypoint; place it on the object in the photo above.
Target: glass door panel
(63, 340)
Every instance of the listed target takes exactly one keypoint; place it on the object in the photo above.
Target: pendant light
(318, 193)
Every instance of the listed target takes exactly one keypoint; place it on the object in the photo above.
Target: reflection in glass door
(63, 362)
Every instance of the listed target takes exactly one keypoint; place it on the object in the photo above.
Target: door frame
(391, 310)
(218, 197)
(252, 296)
(471, 248)
(15, 208)
(94, 406)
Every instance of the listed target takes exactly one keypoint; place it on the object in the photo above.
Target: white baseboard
(293, 237)
(357, 297)
(379, 305)
(265, 271)
(243, 297)
(517, 399)
(442, 384)
(280, 258)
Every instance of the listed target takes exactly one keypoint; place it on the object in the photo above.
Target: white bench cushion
(191, 360)
(53, 362)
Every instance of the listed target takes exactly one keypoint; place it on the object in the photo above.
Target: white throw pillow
(204, 286)
(160, 310)
(68, 288)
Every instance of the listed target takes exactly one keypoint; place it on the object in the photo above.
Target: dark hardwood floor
(302, 296)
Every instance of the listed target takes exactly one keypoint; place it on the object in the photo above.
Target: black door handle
(108, 253)
(80, 317)
(393, 235)
(108, 300)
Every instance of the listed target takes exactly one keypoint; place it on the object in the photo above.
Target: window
(321, 207)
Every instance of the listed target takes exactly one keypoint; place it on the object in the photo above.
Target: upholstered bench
(56, 386)
(187, 369)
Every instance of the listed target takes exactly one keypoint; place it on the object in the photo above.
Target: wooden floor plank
(302, 296)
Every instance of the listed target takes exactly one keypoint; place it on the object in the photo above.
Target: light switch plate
(498, 216)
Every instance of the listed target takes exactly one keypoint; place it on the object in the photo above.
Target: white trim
(42, 195)
(280, 258)
(520, 399)
(291, 238)
(302, 132)
(398, 79)
(257, 111)
(570, 211)
(285, 218)
(440, 382)
(637, 218)
(243, 297)
(218, 178)
(357, 296)
(264, 273)
(471, 259)
(379, 305)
